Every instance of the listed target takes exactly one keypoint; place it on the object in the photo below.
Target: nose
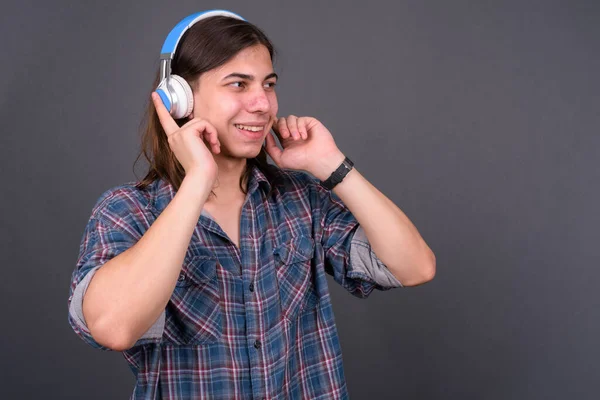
(258, 101)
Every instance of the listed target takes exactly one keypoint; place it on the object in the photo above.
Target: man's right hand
(188, 143)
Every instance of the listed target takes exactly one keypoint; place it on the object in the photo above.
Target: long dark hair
(208, 44)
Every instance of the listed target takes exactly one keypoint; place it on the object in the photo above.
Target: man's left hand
(307, 145)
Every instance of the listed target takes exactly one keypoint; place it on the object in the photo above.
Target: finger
(292, 123)
(166, 120)
(277, 131)
(272, 149)
(206, 131)
(212, 137)
(282, 129)
(275, 127)
(302, 128)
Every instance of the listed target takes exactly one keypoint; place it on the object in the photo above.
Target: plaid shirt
(251, 322)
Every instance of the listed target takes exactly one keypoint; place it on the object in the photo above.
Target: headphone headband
(177, 32)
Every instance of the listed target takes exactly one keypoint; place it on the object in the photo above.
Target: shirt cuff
(364, 260)
(76, 310)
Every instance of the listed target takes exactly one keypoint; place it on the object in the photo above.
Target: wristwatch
(338, 175)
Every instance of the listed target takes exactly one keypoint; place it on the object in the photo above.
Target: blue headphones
(174, 91)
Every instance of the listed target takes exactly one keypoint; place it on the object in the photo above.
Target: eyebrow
(250, 77)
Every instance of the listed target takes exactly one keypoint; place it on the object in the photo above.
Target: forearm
(128, 293)
(392, 236)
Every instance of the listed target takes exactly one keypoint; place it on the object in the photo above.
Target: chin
(247, 150)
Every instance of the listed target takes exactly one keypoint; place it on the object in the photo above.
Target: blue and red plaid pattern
(243, 323)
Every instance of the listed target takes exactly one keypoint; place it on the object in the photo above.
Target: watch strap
(339, 174)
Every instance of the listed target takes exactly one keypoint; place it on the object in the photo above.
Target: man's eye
(237, 84)
(270, 84)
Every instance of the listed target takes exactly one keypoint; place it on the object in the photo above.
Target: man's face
(239, 100)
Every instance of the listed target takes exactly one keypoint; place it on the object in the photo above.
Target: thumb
(273, 150)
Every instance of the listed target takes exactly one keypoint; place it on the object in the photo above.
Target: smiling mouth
(250, 128)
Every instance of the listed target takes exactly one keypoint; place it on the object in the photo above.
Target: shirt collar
(257, 179)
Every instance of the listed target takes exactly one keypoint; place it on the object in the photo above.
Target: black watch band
(338, 175)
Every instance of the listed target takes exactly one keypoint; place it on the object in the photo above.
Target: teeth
(250, 128)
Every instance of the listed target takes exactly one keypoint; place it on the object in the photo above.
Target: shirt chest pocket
(293, 263)
(193, 315)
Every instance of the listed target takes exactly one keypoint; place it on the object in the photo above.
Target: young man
(209, 274)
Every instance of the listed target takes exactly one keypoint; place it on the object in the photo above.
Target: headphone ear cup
(182, 96)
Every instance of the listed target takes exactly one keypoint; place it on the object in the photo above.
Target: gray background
(479, 119)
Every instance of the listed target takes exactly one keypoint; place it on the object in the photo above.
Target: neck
(227, 187)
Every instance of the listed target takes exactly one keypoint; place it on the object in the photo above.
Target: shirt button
(181, 277)
(257, 344)
(251, 286)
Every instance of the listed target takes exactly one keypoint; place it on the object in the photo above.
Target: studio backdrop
(478, 119)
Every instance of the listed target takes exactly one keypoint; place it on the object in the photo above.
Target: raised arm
(130, 291)
(309, 146)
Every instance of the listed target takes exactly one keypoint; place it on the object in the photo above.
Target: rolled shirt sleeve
(105, 237)
(364, 260)
(348, 254)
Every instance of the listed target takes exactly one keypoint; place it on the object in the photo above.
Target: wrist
(338, 175)
(327, 165)
(197, 185)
